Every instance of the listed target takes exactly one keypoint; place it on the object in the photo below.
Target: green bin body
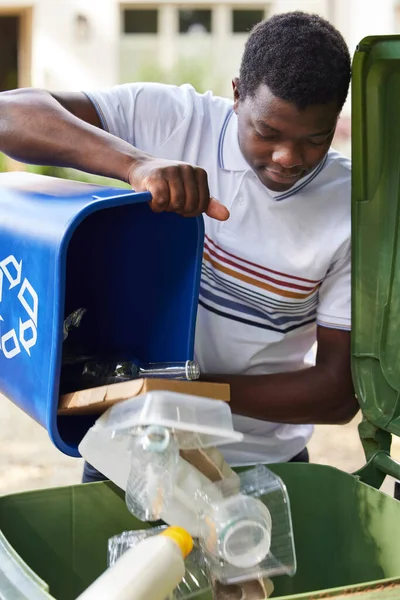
(347, 533)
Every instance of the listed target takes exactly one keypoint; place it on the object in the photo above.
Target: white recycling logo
(24, 335)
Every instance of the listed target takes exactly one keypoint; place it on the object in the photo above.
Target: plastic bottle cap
(181, 538)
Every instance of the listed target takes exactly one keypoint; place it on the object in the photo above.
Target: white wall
(59, 60)
(370, 17)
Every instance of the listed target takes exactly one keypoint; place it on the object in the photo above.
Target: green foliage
(3, 163)
(185, 71)
(196, 71)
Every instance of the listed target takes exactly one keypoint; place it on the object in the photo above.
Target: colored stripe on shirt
(240, 290)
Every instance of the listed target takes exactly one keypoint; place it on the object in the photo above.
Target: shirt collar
(230, 157)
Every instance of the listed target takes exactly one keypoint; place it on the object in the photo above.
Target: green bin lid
(376, 230)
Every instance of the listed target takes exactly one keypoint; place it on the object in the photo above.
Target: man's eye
(318, 142)
(266, 138)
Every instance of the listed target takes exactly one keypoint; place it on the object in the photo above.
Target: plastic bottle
(151, 570)
(154, 461)
(183, 508)
(104, 373)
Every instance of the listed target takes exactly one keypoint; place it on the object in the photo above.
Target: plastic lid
(181, 537)
(210, 420)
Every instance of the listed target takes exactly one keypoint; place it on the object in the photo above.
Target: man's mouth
(280, 177)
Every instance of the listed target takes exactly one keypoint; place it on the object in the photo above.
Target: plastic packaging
(119, 544)
(238, 530)
(183, 508)
(151, 569)
(151, 481)
(136, 445)
(195, 581)
(247, 535)
(194, 422)
(210, 421)
(161, 484)
(73, 321)
(82, 370)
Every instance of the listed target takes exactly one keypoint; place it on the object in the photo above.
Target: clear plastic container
(151, 481)
(238, 530)
(151, 569)
(136, 445)
(194, 422)
(183, 508)
(210, 421)
(195, 581)
(248, 533)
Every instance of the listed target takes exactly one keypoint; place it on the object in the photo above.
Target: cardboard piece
(97, 400)
(211, 463)
(258, 589)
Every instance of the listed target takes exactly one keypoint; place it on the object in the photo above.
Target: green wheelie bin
(347, 533)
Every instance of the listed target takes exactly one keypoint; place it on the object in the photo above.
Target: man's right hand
(66, 131)
(176, 187)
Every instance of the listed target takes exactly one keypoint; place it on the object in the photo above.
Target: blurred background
(88, 44)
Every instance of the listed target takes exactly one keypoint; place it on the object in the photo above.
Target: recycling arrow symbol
(24, 335)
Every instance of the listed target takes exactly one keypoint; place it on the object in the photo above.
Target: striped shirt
(278, 267)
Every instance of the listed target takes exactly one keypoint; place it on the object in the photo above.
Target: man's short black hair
(301, 57)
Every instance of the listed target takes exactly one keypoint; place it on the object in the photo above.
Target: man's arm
(36, 128)
(63, 130)
(320, 394)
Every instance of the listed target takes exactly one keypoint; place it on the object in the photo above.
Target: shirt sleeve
(334, 306)
(144, 114)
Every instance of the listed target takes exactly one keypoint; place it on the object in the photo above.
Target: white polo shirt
(276, 268)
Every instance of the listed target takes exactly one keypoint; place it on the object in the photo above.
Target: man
(276, 273)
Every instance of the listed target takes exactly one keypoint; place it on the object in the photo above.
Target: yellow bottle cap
(181, 537)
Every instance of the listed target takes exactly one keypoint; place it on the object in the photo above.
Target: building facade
(75, 44)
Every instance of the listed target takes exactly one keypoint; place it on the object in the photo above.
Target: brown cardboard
(203, 463)
(97, 400)
(249, 590)
(212, 464)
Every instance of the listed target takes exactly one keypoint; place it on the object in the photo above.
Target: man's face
(280, 142)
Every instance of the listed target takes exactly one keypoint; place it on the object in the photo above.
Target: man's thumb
(217, 211)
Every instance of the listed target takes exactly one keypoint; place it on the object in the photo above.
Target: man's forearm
(35, 128)
(309, 396)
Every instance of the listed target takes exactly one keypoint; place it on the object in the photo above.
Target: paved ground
(29, 461)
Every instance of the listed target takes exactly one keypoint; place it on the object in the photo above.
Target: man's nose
(288, 155)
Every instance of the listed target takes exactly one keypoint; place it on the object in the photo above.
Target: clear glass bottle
(117, 371)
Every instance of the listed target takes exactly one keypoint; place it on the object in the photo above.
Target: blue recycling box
(66, 245)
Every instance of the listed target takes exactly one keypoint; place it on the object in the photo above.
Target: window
(140, 20)
(9, 32)
(243, 20)
(194, 20)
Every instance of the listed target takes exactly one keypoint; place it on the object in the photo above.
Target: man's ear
(235, 88)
